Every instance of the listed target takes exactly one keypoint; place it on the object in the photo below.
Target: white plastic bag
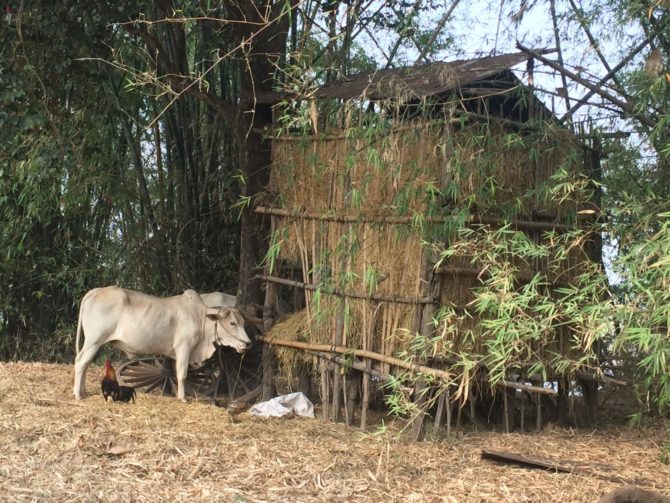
(293, 404)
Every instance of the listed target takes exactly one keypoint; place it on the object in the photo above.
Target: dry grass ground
(53, 448)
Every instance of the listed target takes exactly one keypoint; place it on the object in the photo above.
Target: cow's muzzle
(244, 349)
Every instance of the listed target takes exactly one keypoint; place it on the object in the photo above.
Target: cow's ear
(213, 313)
(217, 313)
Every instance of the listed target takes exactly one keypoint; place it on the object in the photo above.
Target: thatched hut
(397, 200)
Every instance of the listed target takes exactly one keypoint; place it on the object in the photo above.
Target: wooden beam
(526, 387)
(351, 295)
(587, 376)
(409, 220)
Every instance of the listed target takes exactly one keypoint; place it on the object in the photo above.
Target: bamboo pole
(440, 374)
(352, 295)
(408, 220)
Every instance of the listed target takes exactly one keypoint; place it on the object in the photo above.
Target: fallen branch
(559, 466)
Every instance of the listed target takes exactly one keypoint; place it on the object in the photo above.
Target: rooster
(109, 384)
(125, 394)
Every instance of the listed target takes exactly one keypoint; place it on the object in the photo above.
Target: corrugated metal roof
(413, 82)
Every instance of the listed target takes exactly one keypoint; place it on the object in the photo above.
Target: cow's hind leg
(81, 363)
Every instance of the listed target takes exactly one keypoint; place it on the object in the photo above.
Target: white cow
(181, 327)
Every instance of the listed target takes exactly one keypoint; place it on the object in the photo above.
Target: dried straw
(54, 448)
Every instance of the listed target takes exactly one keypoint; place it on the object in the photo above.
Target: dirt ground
(53, 448)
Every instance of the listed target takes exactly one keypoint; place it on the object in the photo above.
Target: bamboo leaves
(521, 312)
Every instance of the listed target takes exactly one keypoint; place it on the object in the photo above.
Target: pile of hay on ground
(54, 448)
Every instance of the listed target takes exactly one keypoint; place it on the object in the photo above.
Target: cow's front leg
(182, 370)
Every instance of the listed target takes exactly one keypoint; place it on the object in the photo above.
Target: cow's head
(229, 330)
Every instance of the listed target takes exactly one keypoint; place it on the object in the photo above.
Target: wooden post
(337, 373)
(365, 400)
(305, 381)
(563, 400)
(506, 411)
(447, 399)
(368, 339)
(353, 386)
(325, 389)
(590, 395)
(439, 413)
(459, 412)
(523, 411)
(594, 251)
(473, 409)
(269, 353)
(425, 327)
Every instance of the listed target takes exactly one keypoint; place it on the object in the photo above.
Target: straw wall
(429, 170)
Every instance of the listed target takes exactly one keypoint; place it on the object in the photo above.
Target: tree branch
(559, 55)
(596, 46)
(625, 106)
(611, 75)
(440, 26)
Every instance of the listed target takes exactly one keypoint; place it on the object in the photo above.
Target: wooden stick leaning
(440, 374)
(361, 353)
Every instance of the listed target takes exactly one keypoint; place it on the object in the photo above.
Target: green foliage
(522, 318)
(645, 314)
(89, 194)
